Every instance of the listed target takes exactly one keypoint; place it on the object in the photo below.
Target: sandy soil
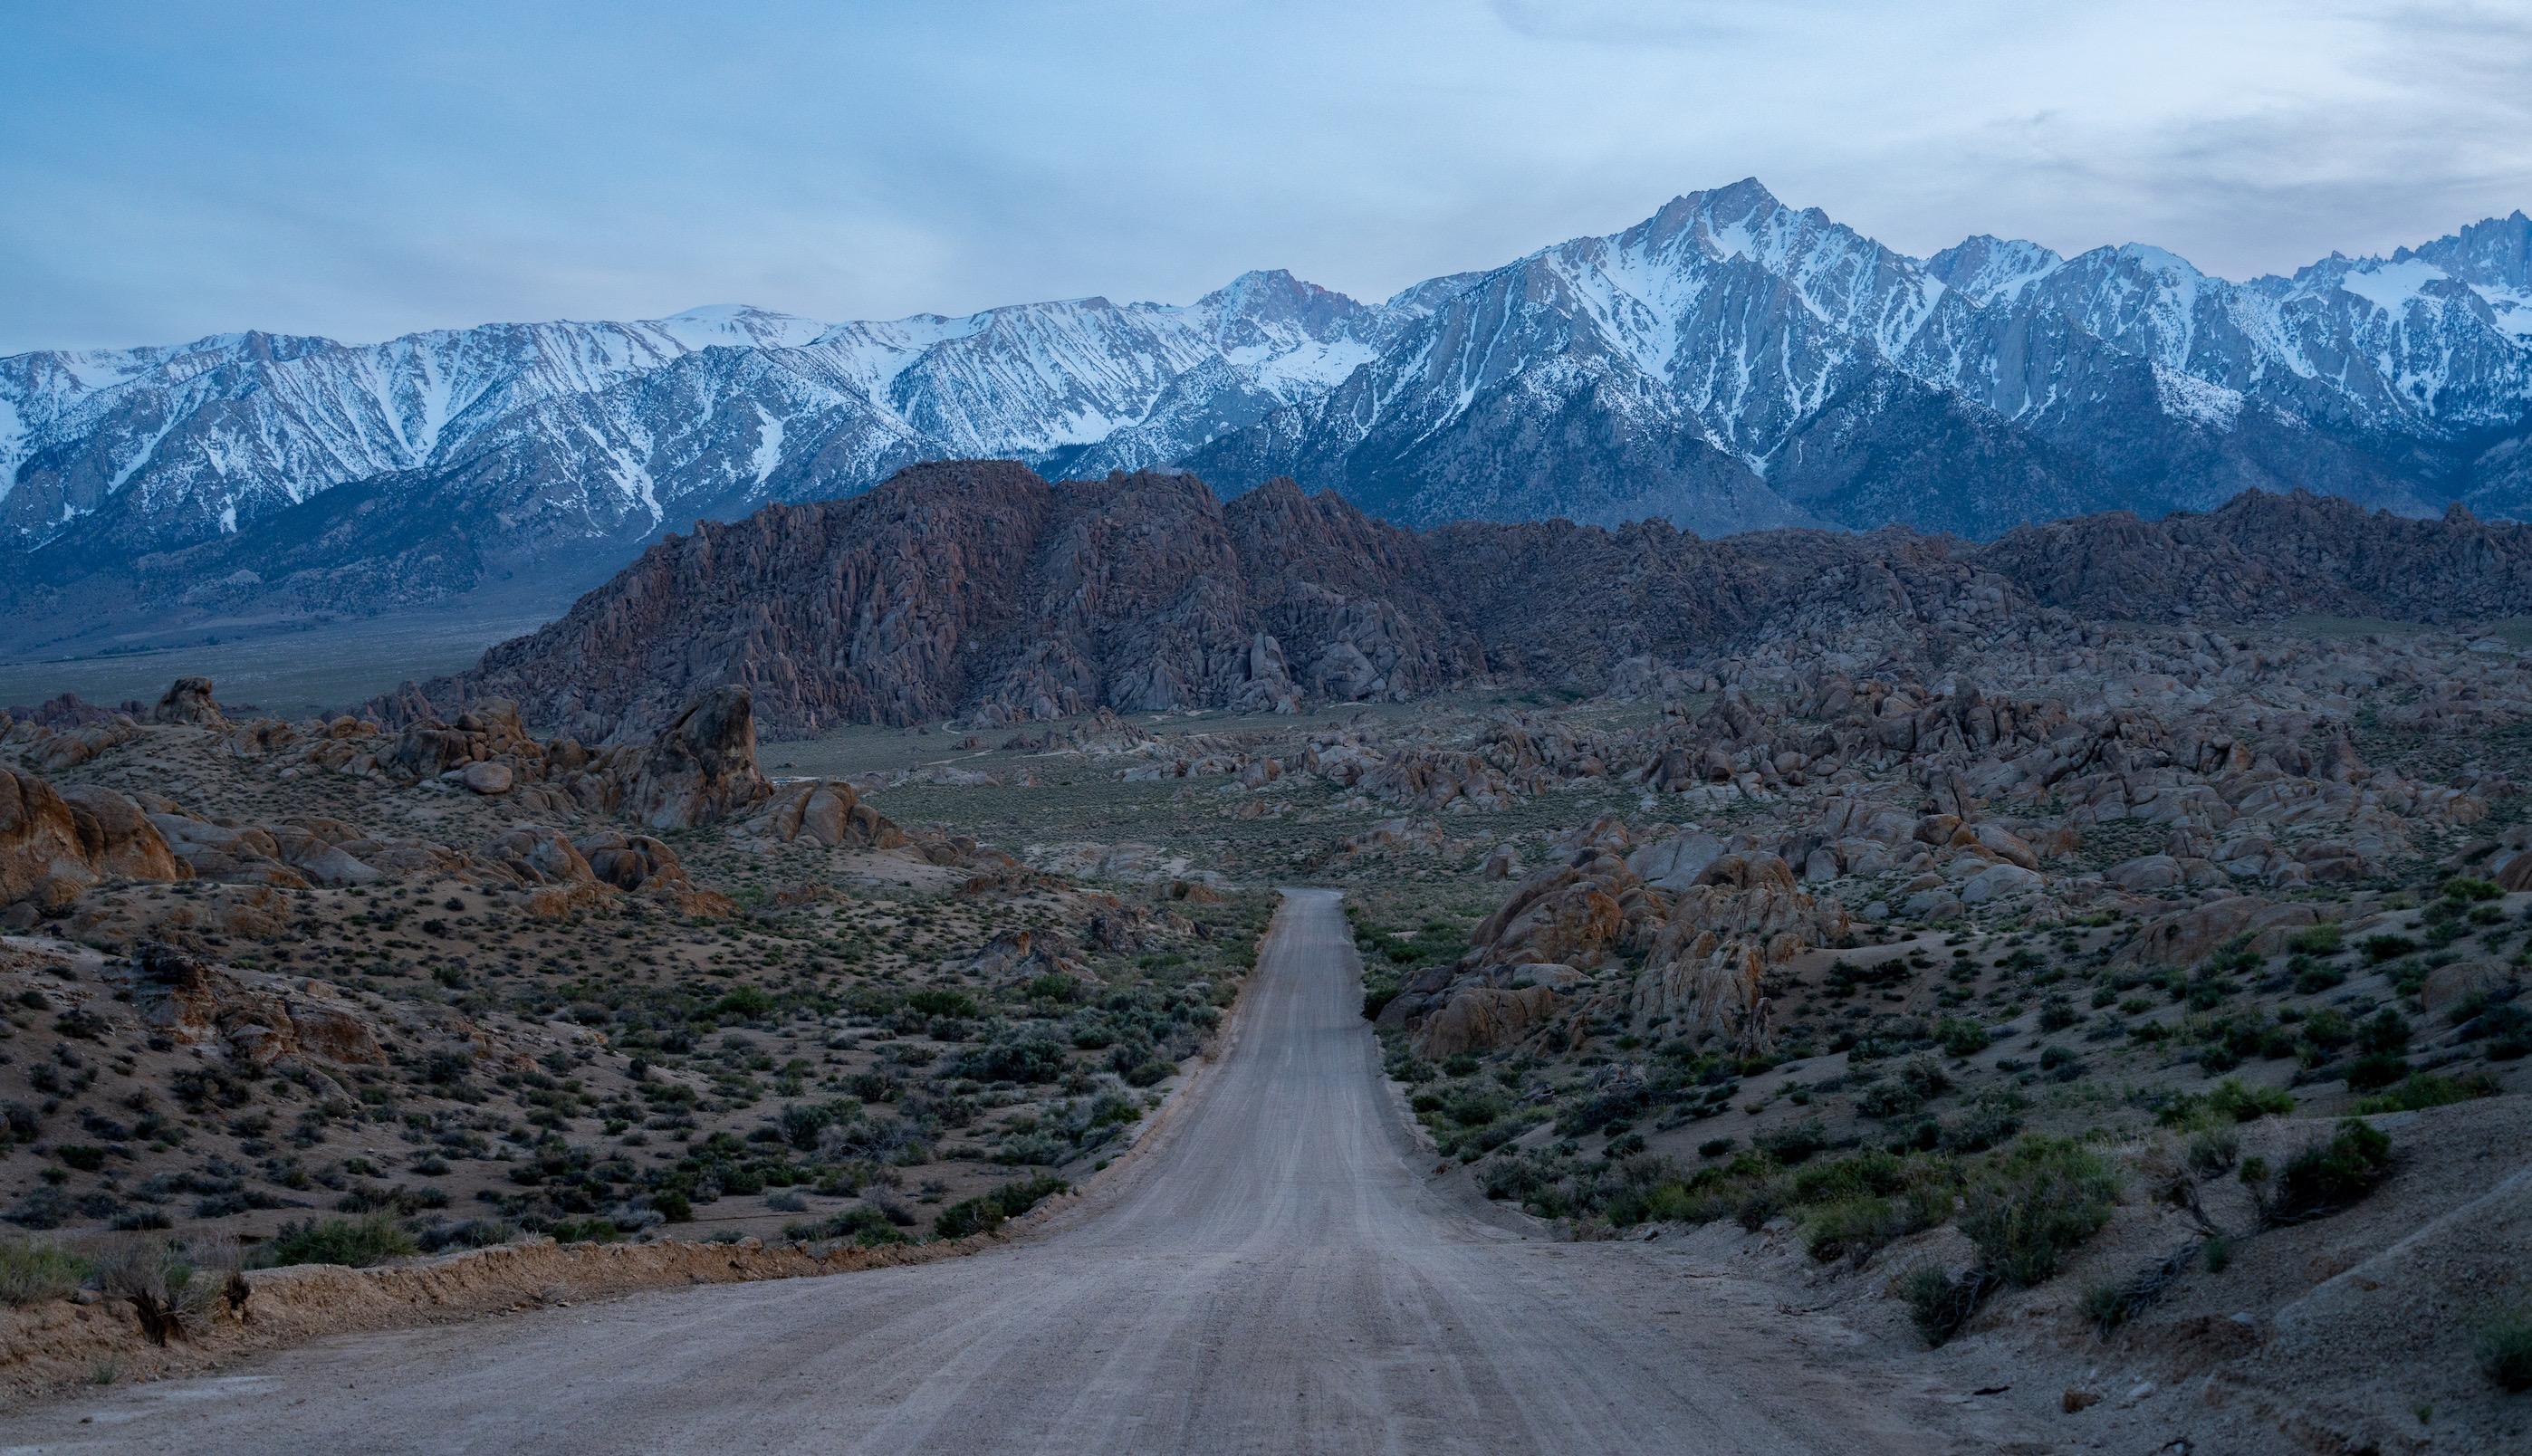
(1276, 1274)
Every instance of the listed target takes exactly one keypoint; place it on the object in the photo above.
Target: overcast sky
(169, 170)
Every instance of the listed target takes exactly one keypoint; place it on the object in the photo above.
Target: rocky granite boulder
(256, 1018)
(701, 769)
(54, 844)
(830, 813)
(189, 700)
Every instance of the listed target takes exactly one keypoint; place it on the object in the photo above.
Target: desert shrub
(1640, 1189)
(357, 1241)
(988, 1212)
(1856, 1227)
(33, 1271)
(935, 1001)
(2504, 1025)
(2034, 1204)
(1054, 986)
(800, 1123)
(1860, 1227)
(2380, 948)
(2326, 1030)
(2229, 1102)
(2107, 1304)
(467, 1233)
(1474, 1106)
(2375, 1072)
(1886, 1098)
(2214, 1151)
(868, 1227)
(1793, 1142)
(2383, 1034)
(1961, 1038)
(2242, 1103)
(42, 1207)
(2423, 1090)
(2466, 890)
(1622, 1099)
(1379, 988)
(2328, 1176)
(743, 1004)
(2324, 939)
(1850, 1177)
(172, 1288)
(2505, 1352)
(1940, 1303)
(1989, 1120)
(1030, 1058)
(1533, 1179)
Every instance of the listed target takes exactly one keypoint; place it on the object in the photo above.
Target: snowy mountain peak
(1741, 220)
(1987, 269)
(2492, 253)
(738, 326)
(1274, 295)
(2153, 260)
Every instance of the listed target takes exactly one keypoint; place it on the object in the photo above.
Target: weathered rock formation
(976, 588)
(1662, 933)
(53, 845)
(189, 700)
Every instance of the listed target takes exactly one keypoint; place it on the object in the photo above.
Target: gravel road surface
(1275, 1270)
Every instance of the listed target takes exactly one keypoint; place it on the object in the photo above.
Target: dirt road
(1276, 1274)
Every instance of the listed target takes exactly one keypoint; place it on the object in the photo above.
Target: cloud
(2393, 151)
(1634, 22)
(191, 173)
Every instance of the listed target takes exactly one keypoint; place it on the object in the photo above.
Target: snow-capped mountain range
(1728, 362)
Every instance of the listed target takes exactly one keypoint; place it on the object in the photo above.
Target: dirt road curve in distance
(1277, 1273)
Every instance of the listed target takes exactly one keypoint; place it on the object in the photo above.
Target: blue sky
(173, 169)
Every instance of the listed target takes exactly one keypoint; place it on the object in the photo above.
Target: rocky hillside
(1730, 363)
(979, 590)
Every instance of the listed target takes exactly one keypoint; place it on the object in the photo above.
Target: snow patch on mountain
(2197, 400)
(2391, 286)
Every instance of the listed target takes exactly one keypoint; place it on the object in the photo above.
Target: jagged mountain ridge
(977, 590)
(1730, 363)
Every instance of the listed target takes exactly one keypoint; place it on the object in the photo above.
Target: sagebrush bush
(1857, 1228)
(2325, 1177)
(2422, 1090)
(2505, 1351)
(2107, 1304)
(172, 1287)
(2034, 1204)
(868, 1227)
(33, 1271)
(985, 1213)
(1939, 1304)
(357, 1241)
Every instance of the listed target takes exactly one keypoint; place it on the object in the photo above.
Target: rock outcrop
(1592, 938)
(701, 769)
(976, 588)
(189, 700)
(53, 845)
